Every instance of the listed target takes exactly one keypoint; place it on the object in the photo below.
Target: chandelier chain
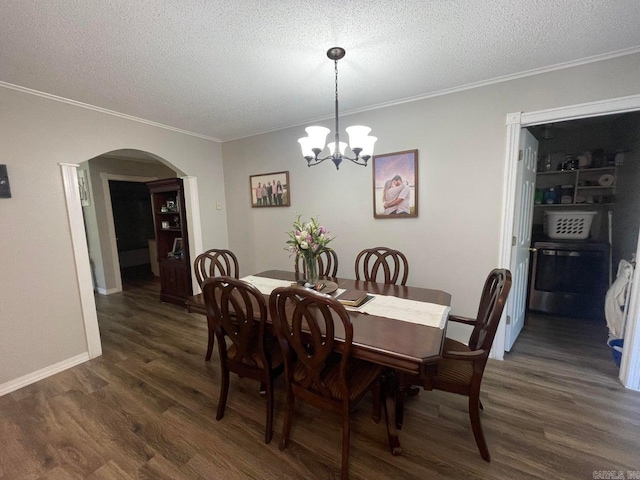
(336, 70)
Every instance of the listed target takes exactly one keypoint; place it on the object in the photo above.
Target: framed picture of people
(270, 190)
(395, 185)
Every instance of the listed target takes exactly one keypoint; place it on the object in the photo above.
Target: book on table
(353, 298)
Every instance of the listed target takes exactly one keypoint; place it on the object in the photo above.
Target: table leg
(390, 414)
(403, 391)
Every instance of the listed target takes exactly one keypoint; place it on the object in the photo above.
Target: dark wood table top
(393, 343)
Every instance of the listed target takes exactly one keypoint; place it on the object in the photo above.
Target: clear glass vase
(311, 267)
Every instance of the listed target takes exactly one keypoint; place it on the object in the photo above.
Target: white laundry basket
(574, 225)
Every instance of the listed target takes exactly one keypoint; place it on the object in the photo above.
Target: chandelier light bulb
(367, 147)
(317, 137)
(307, 149)
(357, 135)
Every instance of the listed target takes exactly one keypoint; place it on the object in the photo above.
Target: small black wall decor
(5, 189)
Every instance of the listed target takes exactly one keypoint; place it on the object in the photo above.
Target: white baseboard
(105, 291)
(42, 373)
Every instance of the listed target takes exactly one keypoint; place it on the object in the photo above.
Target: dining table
(404, 344)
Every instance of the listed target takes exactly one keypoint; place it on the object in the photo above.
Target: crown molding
(461, 88)
(438, 93)
(75, 103)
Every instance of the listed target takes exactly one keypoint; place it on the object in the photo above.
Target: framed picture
(270, 190)
(395, 185)
(177, 246)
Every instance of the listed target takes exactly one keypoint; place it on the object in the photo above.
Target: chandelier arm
(357, 160)
(312, 162)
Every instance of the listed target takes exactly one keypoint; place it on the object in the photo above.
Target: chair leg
(269, 428)
(376, 392)
(224, 392)
(210, 343)
(413, 391)
(480, 404)
(401, 392)
(346, 433)
(288, 418)
(476, 426)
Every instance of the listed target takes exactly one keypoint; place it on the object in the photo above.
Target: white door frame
(630, 367)
(111, 226)
(81, 255)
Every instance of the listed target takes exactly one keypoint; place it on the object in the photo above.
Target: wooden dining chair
(314, 372)
(238, 311)
(391, 264)
(214, 263)
(327, 264)
(461, 368)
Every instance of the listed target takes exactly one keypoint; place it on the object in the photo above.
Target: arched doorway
(81, 245)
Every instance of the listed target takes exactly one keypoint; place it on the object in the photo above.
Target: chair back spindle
(389, 264)
(215, 263)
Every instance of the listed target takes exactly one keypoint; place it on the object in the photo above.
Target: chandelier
(360, 143)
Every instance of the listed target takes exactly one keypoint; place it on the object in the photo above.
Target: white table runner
(266, 285)
(423, 313)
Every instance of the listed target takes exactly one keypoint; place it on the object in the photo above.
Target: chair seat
(458, 372)
(273, 348)
(359, 376)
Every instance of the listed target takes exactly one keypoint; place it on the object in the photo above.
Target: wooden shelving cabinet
(172, 239)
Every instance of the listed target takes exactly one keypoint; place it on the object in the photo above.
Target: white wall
(461, 139)
(40, 316)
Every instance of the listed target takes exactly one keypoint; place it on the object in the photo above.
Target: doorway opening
(133, 224)
(583, 225)
(543, 123)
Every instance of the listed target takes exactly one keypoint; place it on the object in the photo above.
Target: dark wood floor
(146, 409)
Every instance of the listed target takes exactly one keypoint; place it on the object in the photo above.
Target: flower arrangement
(308, 239)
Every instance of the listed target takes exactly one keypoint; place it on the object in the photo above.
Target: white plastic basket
(568, 225)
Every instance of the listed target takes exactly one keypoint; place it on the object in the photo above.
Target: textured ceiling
(233, 68)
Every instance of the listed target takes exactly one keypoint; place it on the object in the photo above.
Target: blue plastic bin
(616, 345)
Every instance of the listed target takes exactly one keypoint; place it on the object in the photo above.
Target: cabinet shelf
(579, 184)
(595, 188)
(579, 170)
(573, 205)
